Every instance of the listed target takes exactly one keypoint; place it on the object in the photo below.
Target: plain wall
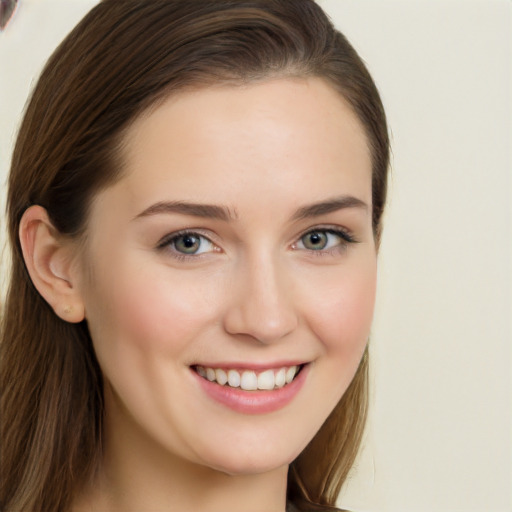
(439, 436)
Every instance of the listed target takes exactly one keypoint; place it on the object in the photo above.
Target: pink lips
(253, 402)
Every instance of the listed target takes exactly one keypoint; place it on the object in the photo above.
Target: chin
(250, 468)
(251, 462)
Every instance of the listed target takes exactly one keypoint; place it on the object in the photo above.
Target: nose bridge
(263, 306)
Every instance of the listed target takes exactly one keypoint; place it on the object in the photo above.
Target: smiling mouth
(249, 380)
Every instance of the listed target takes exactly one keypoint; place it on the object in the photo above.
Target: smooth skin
(282, 268)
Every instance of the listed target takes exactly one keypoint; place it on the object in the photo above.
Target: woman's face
(238, 245)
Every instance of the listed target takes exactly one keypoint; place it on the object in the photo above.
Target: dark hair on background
(125, 57)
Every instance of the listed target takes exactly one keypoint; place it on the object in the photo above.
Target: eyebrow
(185, 208)
(332, 205)
(224, 213)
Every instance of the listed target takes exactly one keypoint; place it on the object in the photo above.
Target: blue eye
(323, 240)
(188, 244)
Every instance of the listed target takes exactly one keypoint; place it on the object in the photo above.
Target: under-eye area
(250, 380)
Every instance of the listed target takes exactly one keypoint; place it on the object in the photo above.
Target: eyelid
(331, 228)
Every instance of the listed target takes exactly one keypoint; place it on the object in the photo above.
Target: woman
(194, 207)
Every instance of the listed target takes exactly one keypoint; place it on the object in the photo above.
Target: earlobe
(49, 261)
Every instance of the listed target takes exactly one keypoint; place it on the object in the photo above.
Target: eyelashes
(320, 241)
(189, 243)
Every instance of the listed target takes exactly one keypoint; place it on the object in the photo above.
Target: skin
(255, 293)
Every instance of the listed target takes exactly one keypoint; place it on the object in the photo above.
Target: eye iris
(315, 240)
(188, 244)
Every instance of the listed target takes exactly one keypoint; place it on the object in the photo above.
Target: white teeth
(266, 380)
(290, 374)
(221, 376)
(234, 379)
(280, 379)
(210, 374)
(249, 381)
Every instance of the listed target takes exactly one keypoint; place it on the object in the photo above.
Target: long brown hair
(124, 57)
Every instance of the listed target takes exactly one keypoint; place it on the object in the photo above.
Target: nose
(262, 305)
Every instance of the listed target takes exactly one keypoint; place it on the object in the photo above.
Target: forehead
(284, 136)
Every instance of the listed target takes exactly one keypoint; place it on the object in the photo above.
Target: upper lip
(252, 365)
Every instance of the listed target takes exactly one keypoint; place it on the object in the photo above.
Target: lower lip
(254, 402)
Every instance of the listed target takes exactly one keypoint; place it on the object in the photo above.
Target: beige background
(439, 438)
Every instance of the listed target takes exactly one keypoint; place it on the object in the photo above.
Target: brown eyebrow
(223, 213)
(185, 208)
(332, 205)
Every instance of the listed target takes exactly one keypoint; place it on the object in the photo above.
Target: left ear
(50, 262)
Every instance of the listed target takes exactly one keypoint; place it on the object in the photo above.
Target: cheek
(340, 311)
(145, 310)
(343, 314)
